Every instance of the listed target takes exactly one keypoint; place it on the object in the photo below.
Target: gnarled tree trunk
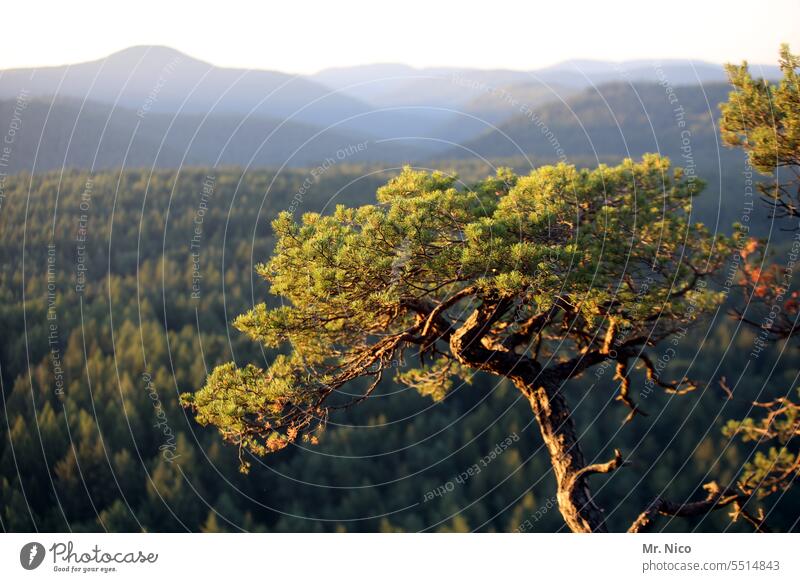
(541, 388)
(569, 466)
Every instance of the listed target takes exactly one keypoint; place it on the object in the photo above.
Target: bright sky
(302, 36)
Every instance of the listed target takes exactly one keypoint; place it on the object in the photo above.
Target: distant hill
(366, 81)
(164, 80)
(612, 120)
(72, 134)
(583, 73)
(388, 85)
(460, 104)
(494, 105)
(184, 110)
(157, 79)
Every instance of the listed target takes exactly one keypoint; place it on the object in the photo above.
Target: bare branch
(716, 498)
(624, 391)
(606, 467)
(670, 387)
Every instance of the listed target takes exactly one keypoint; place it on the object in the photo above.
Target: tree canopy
(763, 119)
(534, 278)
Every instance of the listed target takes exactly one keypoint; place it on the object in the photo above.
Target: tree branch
(716, 498)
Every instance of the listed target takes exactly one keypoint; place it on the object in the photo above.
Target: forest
(119, 290)
(110, 297)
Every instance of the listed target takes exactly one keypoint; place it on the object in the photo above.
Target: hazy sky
(302, 36)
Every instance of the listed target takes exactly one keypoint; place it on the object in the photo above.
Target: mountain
(393, 85)
(174, 109)
(365, 81)
(494, 106)
(583, 73)
(610, 121)
(155, 80)
(163, 80)
(440, 87)
(459, 104)
(89, 135)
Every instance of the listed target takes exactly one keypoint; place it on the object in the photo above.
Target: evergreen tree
(535, 279)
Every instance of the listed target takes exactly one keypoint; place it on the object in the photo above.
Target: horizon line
(555, 65)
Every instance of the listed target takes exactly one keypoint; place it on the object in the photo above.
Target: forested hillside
(521, 126)
(118, 290)
(151, 106)
(70, 133)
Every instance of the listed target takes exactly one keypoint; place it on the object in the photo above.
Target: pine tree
(535, 279)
